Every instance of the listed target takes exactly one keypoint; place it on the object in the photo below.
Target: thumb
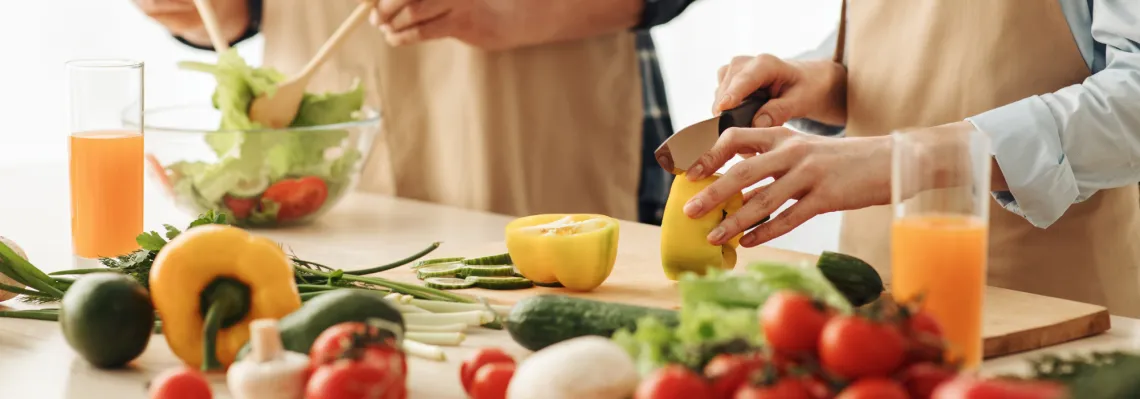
(776, 112)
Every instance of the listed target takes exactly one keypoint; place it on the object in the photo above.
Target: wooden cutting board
(1014, 321)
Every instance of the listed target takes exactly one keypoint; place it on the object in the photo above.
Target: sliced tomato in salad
(298, 197)
(241, 207)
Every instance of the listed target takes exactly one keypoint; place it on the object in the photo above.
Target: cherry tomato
(673, 382)
(787, 388)
(491, 380)
(792, 322)
(873, 388)
(817, 388)
(483, 357)
(967, 387)
(240, 207)
(345, 378)
(297, 197)
(728, 372)
(853, 347)
(921, 379)
(180, 383)
(924, 322)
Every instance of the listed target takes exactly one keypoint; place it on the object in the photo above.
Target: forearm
(557, 21)
(833, 109)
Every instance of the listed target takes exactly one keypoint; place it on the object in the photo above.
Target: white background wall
(42, 35)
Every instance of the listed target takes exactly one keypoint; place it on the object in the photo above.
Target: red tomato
(873, 388)
(817, 388)
(344, 379)
(787, 388)
(792, 322)
(921, 379)
(853, 347)
(673, 382)
(923, 322)
(967, 387)
(180, 383)
(491, 380)
(297, 197)
(483, 357)
(241, 207)
(334, 341)
(728, 372)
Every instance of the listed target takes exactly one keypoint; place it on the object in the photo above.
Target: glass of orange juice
(940, 195)
(106, 158)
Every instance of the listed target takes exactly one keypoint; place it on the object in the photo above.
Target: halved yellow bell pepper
(577, 251)
(210, 282)
(684, 240)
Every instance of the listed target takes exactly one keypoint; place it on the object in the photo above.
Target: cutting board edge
(1007, 344)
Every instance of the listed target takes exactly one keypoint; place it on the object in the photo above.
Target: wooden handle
(358, 15)
(210, 20)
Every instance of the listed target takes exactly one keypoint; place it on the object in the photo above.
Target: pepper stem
(227, 302)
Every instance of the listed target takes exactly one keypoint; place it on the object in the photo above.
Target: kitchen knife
(681, 150)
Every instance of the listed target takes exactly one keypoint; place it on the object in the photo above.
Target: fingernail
(762, 120)
(748, 240)
(724, 101)
(716, 235)
(692, 207)
(695, 172)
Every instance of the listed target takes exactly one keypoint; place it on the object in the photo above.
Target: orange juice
(943, 258)
(106, 192)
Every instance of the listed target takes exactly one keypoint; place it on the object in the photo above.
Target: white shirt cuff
(1026, 142)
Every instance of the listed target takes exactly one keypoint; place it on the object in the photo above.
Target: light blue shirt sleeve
(825, 50)
(1060, 148)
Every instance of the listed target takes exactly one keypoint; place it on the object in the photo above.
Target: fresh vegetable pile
(195, 287)
(268, 178)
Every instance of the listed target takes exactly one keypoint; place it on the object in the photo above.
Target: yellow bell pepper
(684, 240)
(210, 282)
(577, 251)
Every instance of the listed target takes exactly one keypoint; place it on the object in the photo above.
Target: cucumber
(550, 285)
(500, 283)
(485, 271)
(429, 262)
(440, 270)
(299, 329)
(854, 278)
(500, 259)
(448, 283)
(107, 318)
(543, 320)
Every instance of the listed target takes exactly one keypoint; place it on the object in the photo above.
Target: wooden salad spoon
(279, 110)
(210, 21)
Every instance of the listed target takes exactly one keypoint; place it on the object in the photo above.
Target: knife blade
(681, 151)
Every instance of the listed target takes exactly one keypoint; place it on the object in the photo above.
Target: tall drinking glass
(940, 194)
(106, 158)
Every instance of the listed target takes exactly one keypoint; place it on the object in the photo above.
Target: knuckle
(741, 171)
(766, 59)
(762, 199)
(740, 59)
(798, 148)
(712, 193)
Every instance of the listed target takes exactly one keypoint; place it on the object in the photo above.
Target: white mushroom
(5, 295)
(270, 371)
(584, 367)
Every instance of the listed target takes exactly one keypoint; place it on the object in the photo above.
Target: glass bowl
(257, 178)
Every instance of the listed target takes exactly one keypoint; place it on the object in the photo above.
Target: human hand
(813, 89)
(823, 174)
(488, 24)
(181, 18)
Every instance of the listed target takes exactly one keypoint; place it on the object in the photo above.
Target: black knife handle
(742, 115)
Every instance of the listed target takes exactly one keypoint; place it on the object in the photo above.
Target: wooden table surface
(363, 230)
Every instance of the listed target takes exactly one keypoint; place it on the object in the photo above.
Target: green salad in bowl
(213, 157)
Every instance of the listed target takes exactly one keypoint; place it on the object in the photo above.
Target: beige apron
(542, 129)
(926, 63)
